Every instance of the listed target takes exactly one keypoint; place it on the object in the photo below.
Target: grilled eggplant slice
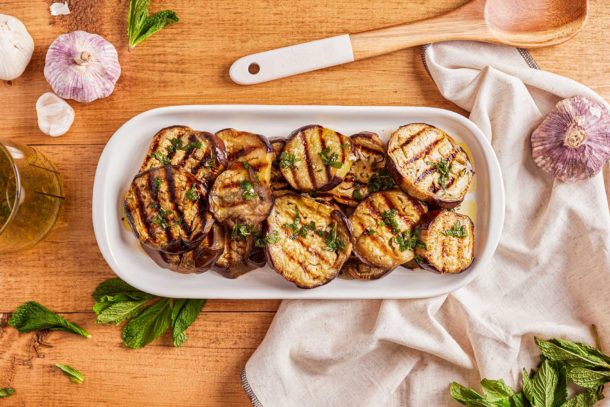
(357, 270)
(201, 153)
(238, 195)
(167, 209)
(370, 160)
(235, 258)
(383, 225)
(313, 240)
(252, 149)
(198, 260)
(317, 158)
(448, 239)
(429, 165)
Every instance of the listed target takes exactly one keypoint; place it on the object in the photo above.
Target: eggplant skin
(201, 153)
(306, 259)
(229, 200)
(235, 258)
(369, 152)
(278, 183)
(310, 172)
(354, 268)
(198, 260)
(374, 239)
(167, 209)
(415, 152)
(443, 252)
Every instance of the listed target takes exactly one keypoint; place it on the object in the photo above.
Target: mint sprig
(141, 25)
(33, 316)
(74, 375)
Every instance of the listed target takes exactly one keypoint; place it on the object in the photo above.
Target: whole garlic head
(16, 47)
(55, 115)
(82, 66)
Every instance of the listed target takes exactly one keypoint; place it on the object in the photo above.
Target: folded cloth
(549, 276)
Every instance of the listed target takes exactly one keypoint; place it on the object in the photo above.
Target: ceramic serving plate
(124, 152)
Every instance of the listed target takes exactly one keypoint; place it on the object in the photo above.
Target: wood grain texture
(187, 64)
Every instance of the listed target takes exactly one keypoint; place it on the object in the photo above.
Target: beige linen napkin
(549, 277)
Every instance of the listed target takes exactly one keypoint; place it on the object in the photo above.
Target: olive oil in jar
(31, 196)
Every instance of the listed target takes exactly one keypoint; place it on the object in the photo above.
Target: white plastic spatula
(521, 23)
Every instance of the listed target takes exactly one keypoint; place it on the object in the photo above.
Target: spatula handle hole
(254, 68)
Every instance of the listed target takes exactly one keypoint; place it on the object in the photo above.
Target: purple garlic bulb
(82, 66)
(573, 141)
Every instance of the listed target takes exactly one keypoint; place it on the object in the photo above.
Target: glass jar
(31, 196)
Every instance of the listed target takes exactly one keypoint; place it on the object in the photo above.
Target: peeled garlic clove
(55, 115)
(16, 47)
(82, 66)
(573, 141)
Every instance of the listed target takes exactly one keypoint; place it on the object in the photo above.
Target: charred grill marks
(310, 169)
(171, 189)
(424, 152)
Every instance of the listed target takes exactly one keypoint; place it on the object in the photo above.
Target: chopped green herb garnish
(248, 192)
(369, 232)
(246, 165)
(297, 230)
(33, 316)
(209, 162)
(330, 158)
(357, 195)
(418, 260)
(6, 392)
(158, 182)
(241, 231)
(74, 375)
(333, 241)
(192, 194)
(141, 25)
(178, 144)
(443, 168)
(161, 218)
(271, 238)
(389, 219)
(457, 230)
(381, 181)
(408, 241)
(288, 160)
(159, 156)
(346, 146)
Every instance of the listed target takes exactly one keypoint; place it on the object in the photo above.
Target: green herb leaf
(540, 390)
(241, 231)
(184, 313)
(443, 168)
(117, 312)
(6, 392)
(518, 400)
(149, 325)
(587, 378)
(248, 192)
(74, 375)
(357, 194)
(457, 230)
(389, 219)
(272, 237)
(409, 241)
(574, 353)
(380, 181)
(114, 287)
(333, 241)
(158, 182)
(464, 394)
(192, 194)
(209, 162)
(586, 399)
(33, 316)
(288, 160)
(159, 156)
(330, 158)
(496, 389)
(140, 25)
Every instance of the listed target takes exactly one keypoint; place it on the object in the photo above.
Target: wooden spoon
(520, 23)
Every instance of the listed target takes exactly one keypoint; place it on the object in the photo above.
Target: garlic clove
(55, 115)
(82, 66)
(59, 9)
(573, 142)
(16, 47)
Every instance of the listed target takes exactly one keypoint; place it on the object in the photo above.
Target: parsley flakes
(248, 192)
(330, 158)
(457, 230)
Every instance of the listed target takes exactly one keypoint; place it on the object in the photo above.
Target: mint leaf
(587, 378)
(586, 399)
(140, 25)
(116, 286)
(561, 390)
(574, 353)
(6, 392)
(540, 390)
(118, 312)
(519, 400)
(149, 325)
(496, 389)
(33, 316)
(463, 394)
(74, 375)
(184, 313)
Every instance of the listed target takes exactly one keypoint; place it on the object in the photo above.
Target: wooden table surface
(188, 64)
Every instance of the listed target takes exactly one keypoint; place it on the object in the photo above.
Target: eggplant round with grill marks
(316, 158)
(167, 209)
(252, 149)
(354, 268)
(198, 152)
(369, 152)
(307, 241)
(236, 258)
(448, 239)
(429, 165)
(383, 226)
